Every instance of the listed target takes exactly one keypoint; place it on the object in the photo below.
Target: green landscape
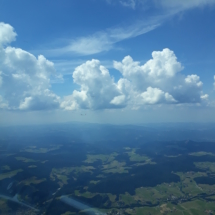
(140, 180)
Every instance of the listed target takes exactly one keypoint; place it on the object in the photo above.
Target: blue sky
(128, 61)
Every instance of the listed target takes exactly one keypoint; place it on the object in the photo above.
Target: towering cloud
(97, 88)
(158, 81)
(24, 79)
(160, 74)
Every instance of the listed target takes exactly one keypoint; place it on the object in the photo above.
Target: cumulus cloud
(24, 79)
(162, 72)
(7, 34)
(158, 81)
(162, 67)
(98, 89)
(155, 96)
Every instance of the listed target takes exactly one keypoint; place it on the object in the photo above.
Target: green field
(32, 180)
(34, 149)
(4, 209)
(25, 160)
(6, 167)
(100, 157)
(62, 174)
(115, 167)
(133, 156)
(206, 166)
(9, 174)
(201, 153)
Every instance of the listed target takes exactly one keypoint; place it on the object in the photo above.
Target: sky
(107, 61)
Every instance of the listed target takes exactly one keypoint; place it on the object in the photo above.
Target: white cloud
(98, 89)
(204, 97)
(25, 79)
(170, 5)
(0, 78)
(118, 100)
(7, 34)
(163, 71)
(156, 96)
(128, 3)
(105, 40)
(90, 45)
(193, 80)
(3, 105)
(181, 5)
(214, 80)
(162, 67)
(158, 81)
(44, 100)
